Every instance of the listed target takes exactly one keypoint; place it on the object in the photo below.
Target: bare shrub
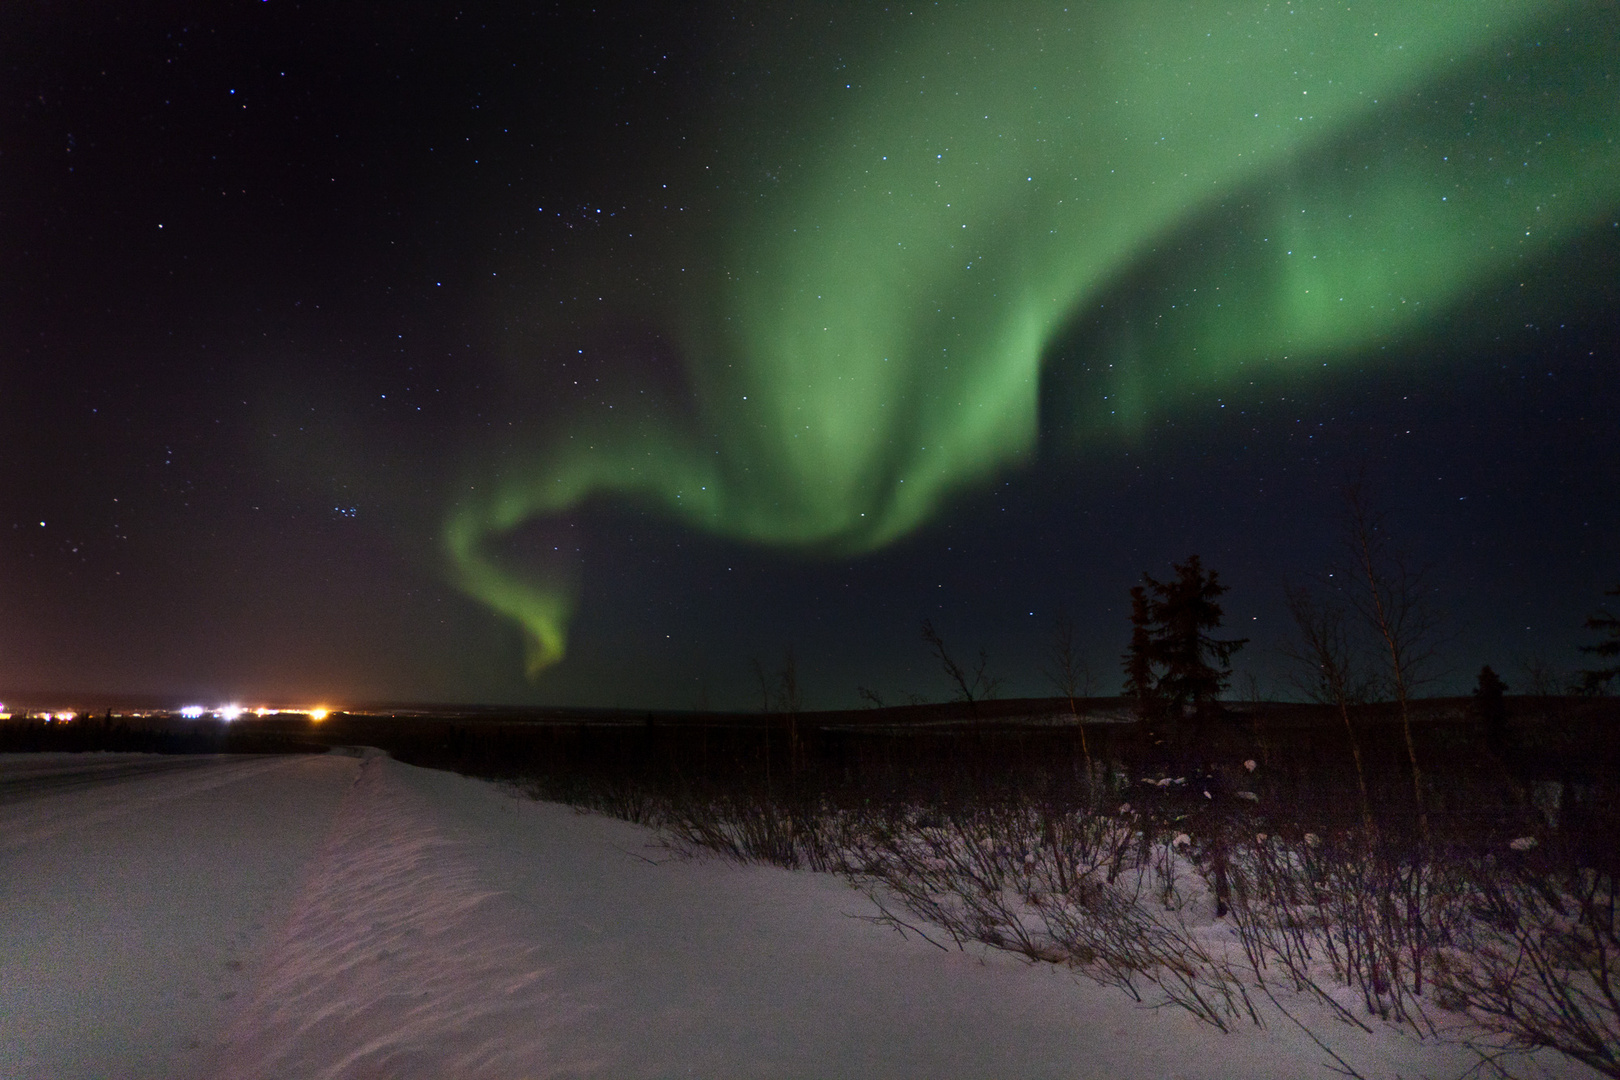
(1508, 910)
(1348, 901)
(1055, 886)
(1540, 965)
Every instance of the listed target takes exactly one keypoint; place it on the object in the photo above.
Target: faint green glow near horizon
(868, 329)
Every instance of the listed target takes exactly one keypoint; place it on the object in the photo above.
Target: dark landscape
(988, 538)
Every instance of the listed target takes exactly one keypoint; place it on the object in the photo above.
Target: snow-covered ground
(349, 916)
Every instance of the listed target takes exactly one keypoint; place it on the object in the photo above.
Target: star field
(511, 353)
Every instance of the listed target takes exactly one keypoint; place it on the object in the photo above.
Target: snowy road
(344, 917)
(27, 775)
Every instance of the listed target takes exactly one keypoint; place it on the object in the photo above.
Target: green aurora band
(863, 330)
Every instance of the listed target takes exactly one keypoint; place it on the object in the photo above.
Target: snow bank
(343, 917)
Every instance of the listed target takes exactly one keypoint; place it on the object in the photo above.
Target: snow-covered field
(350, 916)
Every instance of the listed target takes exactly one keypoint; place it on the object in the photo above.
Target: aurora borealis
(591, 355)
(866, 327)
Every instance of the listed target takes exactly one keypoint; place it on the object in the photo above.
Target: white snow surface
(350, 916)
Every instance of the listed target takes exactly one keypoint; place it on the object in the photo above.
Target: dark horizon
(1097, 709)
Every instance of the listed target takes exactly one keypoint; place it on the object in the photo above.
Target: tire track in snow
(397, 961)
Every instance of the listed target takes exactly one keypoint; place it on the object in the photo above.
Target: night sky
(555, 354)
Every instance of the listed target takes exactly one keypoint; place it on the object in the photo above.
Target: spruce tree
(1489, 703)
(1139, 656)
(1597, 680)
(1173, 658)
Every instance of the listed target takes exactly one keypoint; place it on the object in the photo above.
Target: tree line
(1364, 630)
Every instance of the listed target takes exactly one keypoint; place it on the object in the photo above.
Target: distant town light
(192, 712)
(229, 712)
(318, 713)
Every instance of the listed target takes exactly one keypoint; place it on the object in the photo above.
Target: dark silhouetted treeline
(155, 735)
